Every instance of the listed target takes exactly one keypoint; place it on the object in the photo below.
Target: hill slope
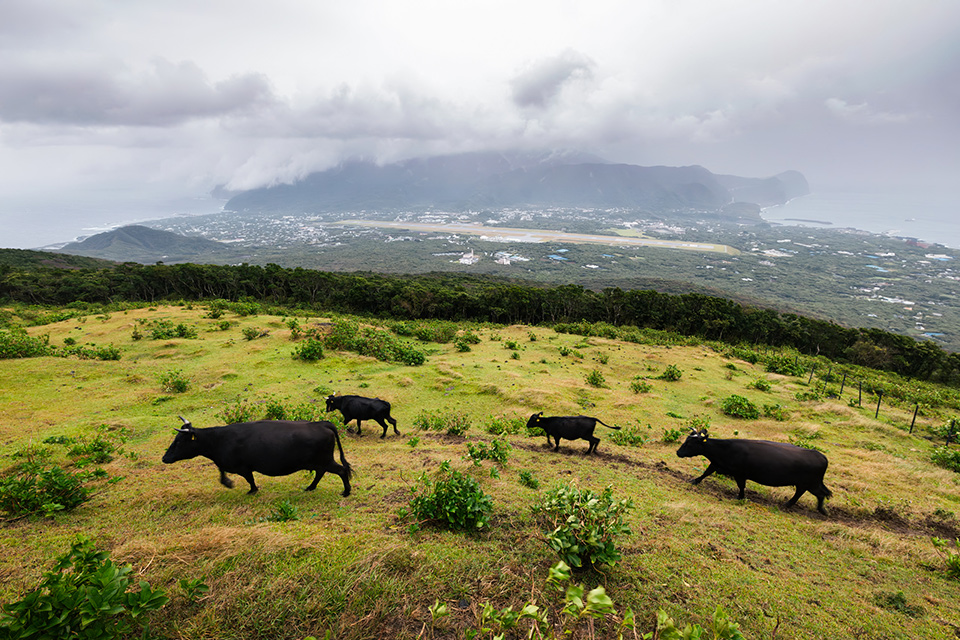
(137, 243)
(358, 568)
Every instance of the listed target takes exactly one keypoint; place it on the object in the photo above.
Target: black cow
(774, 464)
(359, 408)
(568, 427)
(270, 447)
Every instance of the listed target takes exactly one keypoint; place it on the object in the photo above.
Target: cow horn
(186, 423)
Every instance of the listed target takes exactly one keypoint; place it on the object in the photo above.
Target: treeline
(453, 297)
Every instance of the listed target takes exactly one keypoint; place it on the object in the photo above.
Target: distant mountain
(137, 243)
(493, 180)
(29, 258)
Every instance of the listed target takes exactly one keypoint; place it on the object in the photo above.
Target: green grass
(352, 566)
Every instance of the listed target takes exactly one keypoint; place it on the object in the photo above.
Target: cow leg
(792, 501)
(710, 469)
(394, 423)
(384, 425)
(224, 480)
(248, 476)
(742, 485)
(317, 474)
(557, 438)
(358, 427)
(820, 504)
(593, 444)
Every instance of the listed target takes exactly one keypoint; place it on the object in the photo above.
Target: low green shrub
(310, 350)
(499, 425)
(671, 436)
(638, 385)
(454, 424)
(760, 384)
(451, 499)
(498, 451)
(85, 596)
(775, 411)
(252, 333)
(42, 490)
(737, 406)
(595, 379)
(527, 480)
(951, 558)
(947, 458)
(239, 411)
(783, 365)
(17, 343)
(630, 436)
(582, 526)
(166, 330)
(174, 381)
(671, 374)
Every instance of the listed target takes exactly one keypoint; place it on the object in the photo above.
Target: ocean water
(926, 217)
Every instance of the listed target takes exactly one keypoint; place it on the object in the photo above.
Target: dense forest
(453, 297)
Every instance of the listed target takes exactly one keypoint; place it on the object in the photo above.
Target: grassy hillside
(353, 566)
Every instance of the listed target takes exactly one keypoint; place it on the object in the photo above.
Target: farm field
(357, 567)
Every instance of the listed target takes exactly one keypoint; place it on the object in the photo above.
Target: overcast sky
(133, 100)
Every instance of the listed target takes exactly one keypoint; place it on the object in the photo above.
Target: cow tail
(605, 424)
(343, 461)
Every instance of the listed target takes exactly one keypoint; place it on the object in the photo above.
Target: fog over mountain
(110, 111)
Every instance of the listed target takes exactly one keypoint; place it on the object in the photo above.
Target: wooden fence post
(879, 398)
(914, 421)
(860, 393)
(842, 382)
(812, 369)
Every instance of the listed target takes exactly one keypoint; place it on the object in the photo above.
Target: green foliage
(348, 335)
(527, 480)
(454, 424)
(285, 511)
(950, 557)
(671, 436)
(671, 374)
(583, 526)
(499, 425)
(638, 385)
(16, 343)
(949, 431)
(630, 436)
(41, 490)
(193, 589)
(783, 365)
(461, 345)
(498, 451)
(274, 410)
(470, 337)
(252, 333)
(86, 595)
(806, 439)
(92, 352)
(804, 396)
(595, 379)
(310, 350)
(451, 499)
(512, 345)
(739, 407)
(173, 381)
(166, 330)
(947, 458)
(760, 384)
(413, 442)
(239, 411)
(722, 629)
(775, 411)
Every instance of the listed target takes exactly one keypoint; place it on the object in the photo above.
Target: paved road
(503, 234)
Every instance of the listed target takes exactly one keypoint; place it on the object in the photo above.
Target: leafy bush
(470, 337)
(85, 596)
(671, 436)
(92, 352)
(285, 511)
(454, 424)
(173, 381)
(947, 458)
(310, 350)
(498, 451)
(949, 431)
(951, 558)
(369, 341)
(760, 384)
(499, 425)
(806, 439)
(41, 490)
(595, 379)
(629, 436)
(671, 374)
(275, 410)
(461, 345)
(582, 526)
(240, 411)
(527, 480)
(165, 330)
(775, 411)
(783, 365)
(452, 499)
(638, 385)
(252, 333)
(16, 343)
(739, 407)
